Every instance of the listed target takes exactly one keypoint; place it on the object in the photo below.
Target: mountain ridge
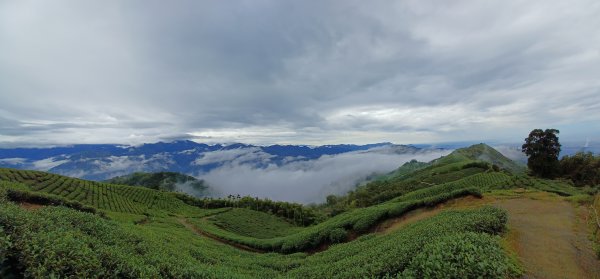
(104, 161)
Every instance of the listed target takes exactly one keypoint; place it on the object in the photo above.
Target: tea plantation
(53, 226)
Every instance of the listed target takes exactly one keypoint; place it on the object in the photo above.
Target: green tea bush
(59, 242)
(338, 235)
(47, 199)
(464, 255)
(359, 220)
(376, 256)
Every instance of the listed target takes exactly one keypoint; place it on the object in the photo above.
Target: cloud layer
(310, 72)
(309, 181)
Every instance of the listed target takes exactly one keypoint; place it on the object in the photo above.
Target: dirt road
(550, 239)
(548, 234)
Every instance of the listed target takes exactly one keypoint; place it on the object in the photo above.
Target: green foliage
(581, 168)
(47, 199)
(151, 242)
(46, 188)
(294, 212)
(461, 163)
(558, 187)
(58, 242)
(542, 148)
(375, 256)
(359, 220)
(253, 223)
(463, 255)
(167, 181)
(484, 153)
(338, 235)
(406, 169)
(147, 238)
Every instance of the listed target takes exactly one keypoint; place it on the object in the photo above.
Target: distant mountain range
(104, 161)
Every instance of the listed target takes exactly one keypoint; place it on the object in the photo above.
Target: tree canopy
(542, 149)
(582, 168)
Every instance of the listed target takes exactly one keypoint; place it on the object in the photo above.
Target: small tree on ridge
(542, 149)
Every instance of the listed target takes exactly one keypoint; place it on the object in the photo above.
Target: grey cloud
(318, 71)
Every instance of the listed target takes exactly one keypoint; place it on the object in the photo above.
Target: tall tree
(542, 149)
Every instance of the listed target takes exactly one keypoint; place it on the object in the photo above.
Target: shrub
(477, 164)
(47, 199)
(337, 235)
(464, 255)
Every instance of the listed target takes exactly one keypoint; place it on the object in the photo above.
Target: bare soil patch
(549, 235)
(550, 238)
(412, 216)
(30, 206)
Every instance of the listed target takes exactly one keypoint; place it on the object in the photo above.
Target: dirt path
(549, 235)
(412, 216)
(30, 206)
(192, 228)
(550, 239)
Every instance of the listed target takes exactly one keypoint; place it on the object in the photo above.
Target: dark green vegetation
(542, 149)
(100, 230)
(462, 163)
(252, 223)
(582, 168)
(166, 181)
(357, 221)
(109, 197)
(57, 241)
(461, 255)
(293, 212)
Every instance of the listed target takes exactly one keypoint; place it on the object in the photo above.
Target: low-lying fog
(309, 181)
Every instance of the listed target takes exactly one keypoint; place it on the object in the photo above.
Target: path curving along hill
(548, 234)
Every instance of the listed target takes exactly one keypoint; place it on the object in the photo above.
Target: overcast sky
(310, 72)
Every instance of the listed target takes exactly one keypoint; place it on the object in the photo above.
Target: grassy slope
(253, 223)
(160, 246)
(412, 176)
(452, 176)
(104, 196)
(163, 248)
(167, 181)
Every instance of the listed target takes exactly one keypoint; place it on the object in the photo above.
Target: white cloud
(234, 156)
(309, 181)
(512, 152)
(13, 161)
(48, 163)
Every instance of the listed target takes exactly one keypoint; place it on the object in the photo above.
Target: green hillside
(251, 223)
(104, 196)
(166, 181)
(51, 225)
(485, 153)
(414, 175)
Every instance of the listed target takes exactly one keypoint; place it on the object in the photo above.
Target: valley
(470, 199)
